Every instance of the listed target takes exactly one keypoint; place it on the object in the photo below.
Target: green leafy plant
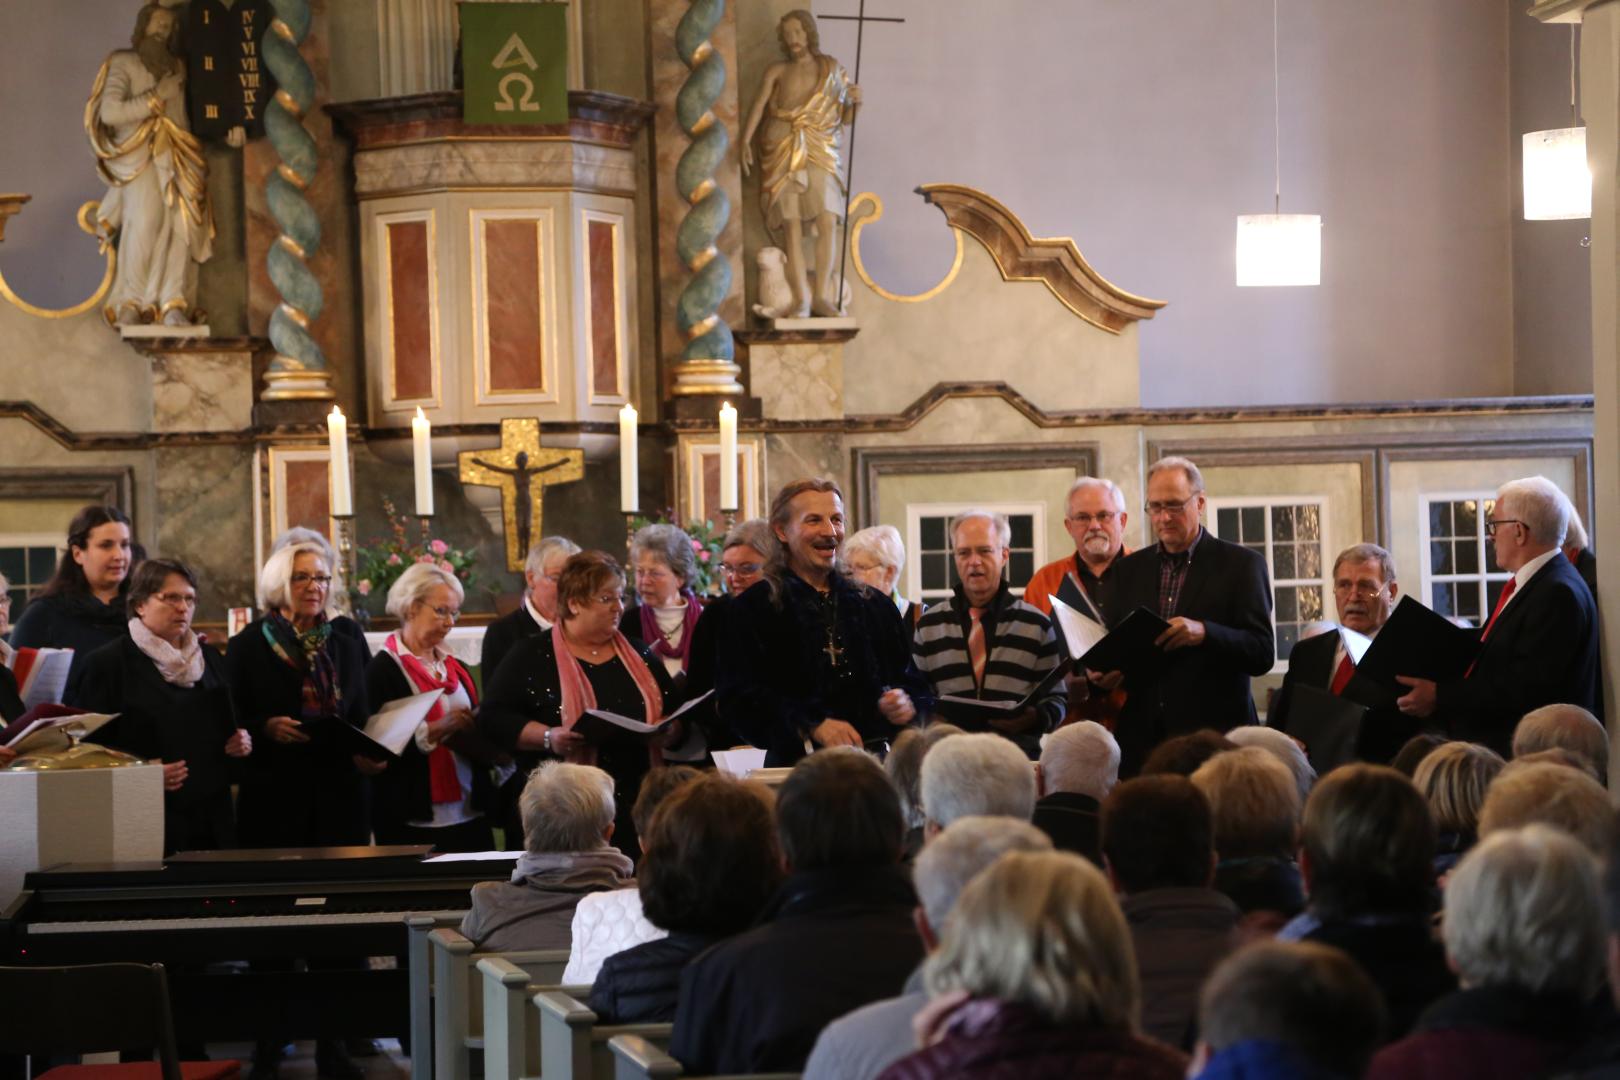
(707, 541)
(384, 558)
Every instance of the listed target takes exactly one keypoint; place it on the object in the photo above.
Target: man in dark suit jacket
(1217, 598)
(1364, 591)
(537, 611)
(1540, 646)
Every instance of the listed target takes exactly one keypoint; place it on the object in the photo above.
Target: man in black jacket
(812, 658)
(539, 607)
(1540, 645)
(1217, 598)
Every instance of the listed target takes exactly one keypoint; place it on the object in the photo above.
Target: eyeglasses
(320, 581)
(174, 599)
(748, 569)
(1492, 525)
(1103, 518)
(1154, 509)
(1346, 588)
(444, 614)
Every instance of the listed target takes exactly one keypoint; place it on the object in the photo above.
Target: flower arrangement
(707, 543)
(383, 559)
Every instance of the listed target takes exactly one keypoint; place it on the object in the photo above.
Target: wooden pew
(458, 1020)
(573, 1046)
(635, 1058)
(511, 1025)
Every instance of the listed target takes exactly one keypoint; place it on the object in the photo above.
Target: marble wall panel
(798, 381)
(409, 310)
(308, 495)
(198, 391)
(602, 272)
(515, 163)
(512, 277)
(205, 517)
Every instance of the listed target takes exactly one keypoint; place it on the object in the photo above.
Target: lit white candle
(422, 447)
(728, 457)
(337, 436)
(629, 490)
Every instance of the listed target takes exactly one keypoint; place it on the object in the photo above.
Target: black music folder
(975, 711)
(1328, 725)
(1419, 642)
(1128, 647)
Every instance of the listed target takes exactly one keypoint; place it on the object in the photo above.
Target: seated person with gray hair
(1564, 727)
(1078, 768)
(1256, 809)
(975, 774)
(1291, 1009)
(1540, 645)
(1564, 796)
(568, 816)
(538, 611)
(865, 1042)
(1524, 931)
(904, 766)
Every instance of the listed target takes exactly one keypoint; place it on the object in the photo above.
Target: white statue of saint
(808, 98)
(157, 194)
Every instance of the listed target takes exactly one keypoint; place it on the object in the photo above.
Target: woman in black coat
(173, 702)
(295, 674)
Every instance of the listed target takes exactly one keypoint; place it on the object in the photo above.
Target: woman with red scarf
(666, 609)
(547, 682)
(439, 791)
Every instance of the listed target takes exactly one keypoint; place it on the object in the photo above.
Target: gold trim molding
(86, 223)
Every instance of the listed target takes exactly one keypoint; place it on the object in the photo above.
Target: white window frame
(915, 512)
(1428, 579)
(33, 540)
(1212, 506)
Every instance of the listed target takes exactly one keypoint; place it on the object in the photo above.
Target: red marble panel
(603, 262)
(708, 487)
(410, 298)
(308, 495)
(512, 306)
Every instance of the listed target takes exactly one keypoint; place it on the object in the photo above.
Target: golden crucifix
(522, 469)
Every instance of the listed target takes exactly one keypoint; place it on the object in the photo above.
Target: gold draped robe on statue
(800, 163)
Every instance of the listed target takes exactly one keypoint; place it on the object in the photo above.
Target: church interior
(443, 295)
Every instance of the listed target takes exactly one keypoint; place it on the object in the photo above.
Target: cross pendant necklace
(829, 617)
(834, 653)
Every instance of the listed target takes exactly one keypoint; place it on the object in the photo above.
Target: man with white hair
(538, 611)
(1578, 550)
(975, 774)
(861, 1044)
(1564, 727)
(986, 644)
(1539, 646)
(1079, 767)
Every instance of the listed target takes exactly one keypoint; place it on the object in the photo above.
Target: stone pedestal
(798, 374)
(202, 384)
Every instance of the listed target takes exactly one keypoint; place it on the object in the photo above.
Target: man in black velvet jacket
(1217, 598)
(812, 658)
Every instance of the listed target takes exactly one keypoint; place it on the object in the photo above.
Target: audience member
(1285, 748)
(975, 774)
(609, 922)
(1158, 847)
(862, 1044)
(1367, 857)
(1598, 1058)
(1183, 754)
(1079, 766)
(1281, 1010)
(1558, 755)
(837, 935)
(1415, 750)
(1537, 791)
(904, 766)
(1256, 806)
(711, 864)
(1524, 932)
(1453, 779)
(1034, 979)
(1564, 727)
(568, 816)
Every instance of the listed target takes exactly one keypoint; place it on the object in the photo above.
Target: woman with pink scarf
(173, 698)
(546, 683)
(666, 608)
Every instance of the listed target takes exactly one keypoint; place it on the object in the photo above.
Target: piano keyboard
(237, 922)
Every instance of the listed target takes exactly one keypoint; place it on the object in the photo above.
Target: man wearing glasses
(1539, 646)
(1365, 592)
(1217, 598)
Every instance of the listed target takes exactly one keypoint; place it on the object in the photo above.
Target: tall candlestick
(337, 436)
(422, 447)
(629, 477)
(728, 457)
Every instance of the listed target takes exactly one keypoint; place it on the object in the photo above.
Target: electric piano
(306, 920)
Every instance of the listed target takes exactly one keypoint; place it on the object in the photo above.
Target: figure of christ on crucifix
(522, 469)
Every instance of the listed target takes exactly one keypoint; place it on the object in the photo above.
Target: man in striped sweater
(986, 644)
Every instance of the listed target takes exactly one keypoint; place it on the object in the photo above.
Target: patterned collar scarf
(306, 652)
(652, 635)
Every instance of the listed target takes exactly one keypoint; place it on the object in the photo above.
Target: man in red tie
(1539, 646)
(1364, 591)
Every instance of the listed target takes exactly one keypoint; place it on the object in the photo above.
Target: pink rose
(394, 560)
(696, 546)
(444, 564)
(438, 547)
(703, 556)
(364, 588)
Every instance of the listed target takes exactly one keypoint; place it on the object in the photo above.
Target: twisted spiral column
(299, 369)
(707, 362)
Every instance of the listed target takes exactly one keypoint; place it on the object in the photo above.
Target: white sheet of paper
(395, 725)
(1080, 632)
(739, 763)
(474, 856)
(47, 679)
(642, 728)
(1355, 644)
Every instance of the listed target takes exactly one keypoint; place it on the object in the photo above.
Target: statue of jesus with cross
(522, 469)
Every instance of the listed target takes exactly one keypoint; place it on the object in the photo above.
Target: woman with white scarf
(172, 695)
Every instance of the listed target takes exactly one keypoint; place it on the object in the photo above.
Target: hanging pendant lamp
(1557, 180)
(1278, 248)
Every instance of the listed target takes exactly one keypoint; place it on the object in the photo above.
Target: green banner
(514, 59)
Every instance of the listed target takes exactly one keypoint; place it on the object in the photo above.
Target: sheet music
(1080, 632)
(47, 676)
(740, 762)
(395, 724)
(1355, 644)
(473, 856)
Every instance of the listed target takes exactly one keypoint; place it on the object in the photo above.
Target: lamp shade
(1557, 181)
(1279, 249)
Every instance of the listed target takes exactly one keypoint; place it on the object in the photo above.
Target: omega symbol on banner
(515, 54)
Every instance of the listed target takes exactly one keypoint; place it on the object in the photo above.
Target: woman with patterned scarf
(439, 792)
(295, 672)
(547, 682)
(666, 609)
